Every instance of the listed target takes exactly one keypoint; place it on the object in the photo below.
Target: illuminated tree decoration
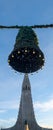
(26, 56)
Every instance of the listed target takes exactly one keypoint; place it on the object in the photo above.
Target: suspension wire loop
(35, 26)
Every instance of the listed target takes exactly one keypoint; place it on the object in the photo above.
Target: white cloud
(44, 106)
(6, 105)
(2, 111)
(46, 124)
(7, 123)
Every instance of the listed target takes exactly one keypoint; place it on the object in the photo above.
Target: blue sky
(26, 12)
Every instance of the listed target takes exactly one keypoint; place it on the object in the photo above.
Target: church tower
(26, 112)
(26, 119)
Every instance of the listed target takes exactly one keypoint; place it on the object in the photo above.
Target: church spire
(26, 112)
(26, 83)
(26, 119)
